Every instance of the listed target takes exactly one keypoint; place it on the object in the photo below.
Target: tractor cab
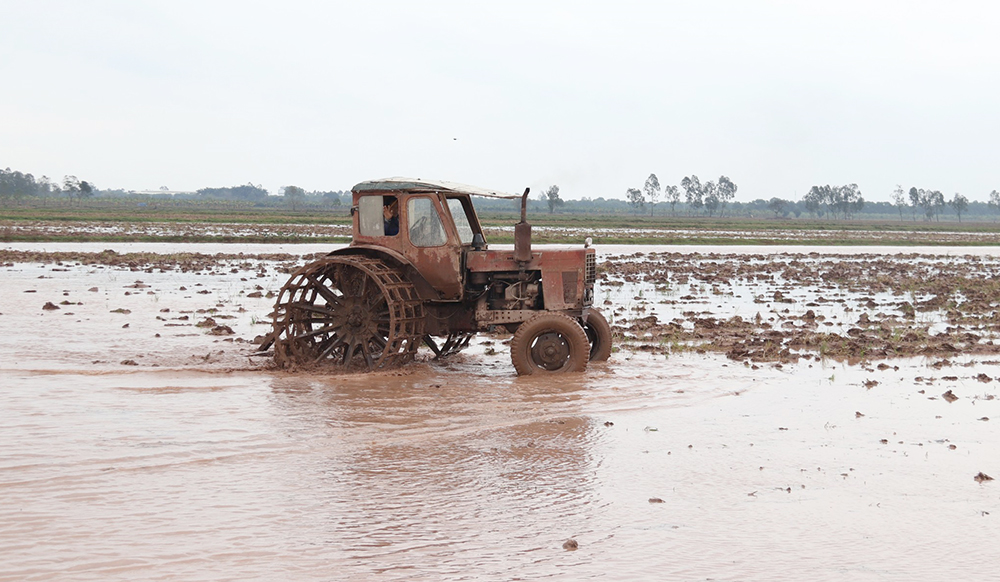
(429, 224)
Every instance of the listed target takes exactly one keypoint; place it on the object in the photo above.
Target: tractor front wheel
(549, 343)
(599, 335)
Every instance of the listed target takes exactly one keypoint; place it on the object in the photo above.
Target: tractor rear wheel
(599, 335)
(549, 343)
(348, 312)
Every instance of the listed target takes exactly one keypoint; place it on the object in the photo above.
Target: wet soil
(763, 417)
(121, 230)
(773, 307)
(603, 229)
(780, 307)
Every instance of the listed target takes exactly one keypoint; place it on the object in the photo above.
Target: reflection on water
(456, 471)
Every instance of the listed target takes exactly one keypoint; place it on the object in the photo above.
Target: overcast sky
(592, 96)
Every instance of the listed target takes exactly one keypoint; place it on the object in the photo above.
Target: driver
(390, 216)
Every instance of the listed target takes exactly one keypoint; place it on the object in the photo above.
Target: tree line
(699, 197)
(844, 201)
(932, 202)
(15, 185)
(691, 196)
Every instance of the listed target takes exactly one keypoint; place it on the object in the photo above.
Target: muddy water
(199, 463)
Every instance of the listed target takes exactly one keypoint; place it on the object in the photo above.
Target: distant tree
(635, 198)
(937, 200)
(813, 200)
(45, 186)
(672, 195)
(960, 204)
(551, 197)
(777, 206)
(652, 191)
(994, 202)
(294, 195)
(849, 200)
(71, 186)
(86, 189)
(331, 198)
(899, 200)
(932, 201)
(725, 191)
(915, 201)
(693, 192)
(710, 197)
(6, 184)
(49, 189)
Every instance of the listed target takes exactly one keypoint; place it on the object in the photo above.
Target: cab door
(434, 248)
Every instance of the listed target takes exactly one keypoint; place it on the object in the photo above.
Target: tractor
(418, 271)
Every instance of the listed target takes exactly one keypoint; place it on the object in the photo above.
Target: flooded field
(771, 414)
(156, 227)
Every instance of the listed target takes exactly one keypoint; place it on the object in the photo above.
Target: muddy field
(784, 414)
(604, 230)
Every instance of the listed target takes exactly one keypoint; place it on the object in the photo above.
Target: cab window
(424, 224)
(461, 219)
(378, 215)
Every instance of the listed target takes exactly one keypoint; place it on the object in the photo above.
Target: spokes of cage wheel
(454, 343)
(391, 326)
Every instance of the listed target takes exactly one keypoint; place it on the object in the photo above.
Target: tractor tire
(349, 313)
(599, 335)
(549, 343)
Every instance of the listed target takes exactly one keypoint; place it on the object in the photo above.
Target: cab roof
(398, 184)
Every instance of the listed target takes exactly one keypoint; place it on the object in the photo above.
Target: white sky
(592, 96)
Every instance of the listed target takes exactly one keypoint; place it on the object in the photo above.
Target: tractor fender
(424, 289)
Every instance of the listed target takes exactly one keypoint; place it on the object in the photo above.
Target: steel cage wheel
(549, 343)
(350, 313)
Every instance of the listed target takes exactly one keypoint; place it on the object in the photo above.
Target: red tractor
(418, 270)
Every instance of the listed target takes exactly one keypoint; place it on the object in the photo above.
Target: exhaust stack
(522, 233)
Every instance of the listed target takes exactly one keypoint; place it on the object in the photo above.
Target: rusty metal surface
(554, 266)
(440, 266)
(522, 242)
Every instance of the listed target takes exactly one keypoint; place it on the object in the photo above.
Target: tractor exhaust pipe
(522, 233)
